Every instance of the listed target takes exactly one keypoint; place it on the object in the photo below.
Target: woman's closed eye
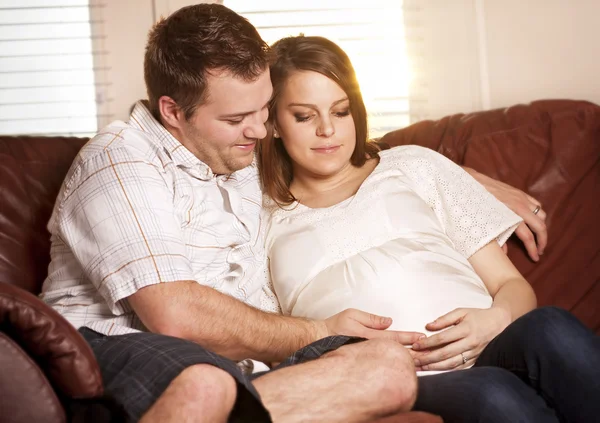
(305, 118)
(302, 118)
(342, 113)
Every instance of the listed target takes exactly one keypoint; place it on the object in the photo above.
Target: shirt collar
(142, 119)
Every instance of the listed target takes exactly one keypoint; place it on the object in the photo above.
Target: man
(157, 254)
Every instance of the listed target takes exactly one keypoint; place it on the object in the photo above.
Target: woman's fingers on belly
(452, 361)
(442, 356)
(458, 362)
(440, 339)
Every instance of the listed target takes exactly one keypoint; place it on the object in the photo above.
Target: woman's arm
(468, 331)
(510, 291)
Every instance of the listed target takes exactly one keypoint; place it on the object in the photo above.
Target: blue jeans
(544, 367)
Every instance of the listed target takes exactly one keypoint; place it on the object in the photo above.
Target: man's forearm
(227, 326)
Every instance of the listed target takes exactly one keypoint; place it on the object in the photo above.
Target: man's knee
(200, 393)
(390, 369)
(203, 381)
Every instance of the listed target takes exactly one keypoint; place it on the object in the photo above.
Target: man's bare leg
(201, 393)
(356, 383)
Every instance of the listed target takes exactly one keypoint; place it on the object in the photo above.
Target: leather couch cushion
(31, 173)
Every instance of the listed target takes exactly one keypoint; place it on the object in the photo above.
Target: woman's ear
(276, 133)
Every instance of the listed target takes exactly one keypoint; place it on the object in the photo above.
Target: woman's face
(314, 122)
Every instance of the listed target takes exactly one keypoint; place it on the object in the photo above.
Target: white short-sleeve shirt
(398, 247)
(137, 208)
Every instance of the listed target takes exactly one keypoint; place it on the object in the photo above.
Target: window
(48, 67)
(371, 32)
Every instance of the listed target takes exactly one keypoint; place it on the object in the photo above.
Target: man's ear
(170, 113)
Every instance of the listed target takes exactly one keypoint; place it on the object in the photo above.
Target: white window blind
(372, 32)
(50, 66)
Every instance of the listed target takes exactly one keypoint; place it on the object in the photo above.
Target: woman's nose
(326, 129)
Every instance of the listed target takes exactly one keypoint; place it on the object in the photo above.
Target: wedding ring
(464, 358)
(536, 210)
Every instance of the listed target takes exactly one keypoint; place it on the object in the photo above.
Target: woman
(408, 234)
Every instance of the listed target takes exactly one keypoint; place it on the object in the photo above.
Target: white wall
(540, 49)
(530, 50)
(127, 23)
(126, 26)
(166, 7)
(442, 43)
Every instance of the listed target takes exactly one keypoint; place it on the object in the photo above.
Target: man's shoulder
(122, 139)
(118, 143)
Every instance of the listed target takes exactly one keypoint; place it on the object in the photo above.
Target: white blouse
(397, 248)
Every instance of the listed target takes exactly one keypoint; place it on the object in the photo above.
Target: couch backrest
(551, 150)
(31, 172)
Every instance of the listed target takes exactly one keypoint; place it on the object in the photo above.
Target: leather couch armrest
(53, 343)
(25, 393)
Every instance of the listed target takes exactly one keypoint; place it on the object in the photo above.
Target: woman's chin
(324, 168)
(327, 172)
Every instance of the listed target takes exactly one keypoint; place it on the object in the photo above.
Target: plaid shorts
(137, 368)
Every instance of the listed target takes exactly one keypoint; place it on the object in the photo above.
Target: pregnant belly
(413, 286)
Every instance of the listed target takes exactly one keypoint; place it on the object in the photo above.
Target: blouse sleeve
(470, 215)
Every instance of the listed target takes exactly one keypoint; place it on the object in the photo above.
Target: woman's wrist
(504, 315)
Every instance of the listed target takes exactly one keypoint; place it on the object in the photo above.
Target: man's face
(225, 129)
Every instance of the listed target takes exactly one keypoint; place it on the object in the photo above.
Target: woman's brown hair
(195, 40)
(316, 54)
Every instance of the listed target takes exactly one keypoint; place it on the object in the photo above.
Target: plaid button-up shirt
(137, 208)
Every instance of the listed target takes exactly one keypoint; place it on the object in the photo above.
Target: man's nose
(256, 130)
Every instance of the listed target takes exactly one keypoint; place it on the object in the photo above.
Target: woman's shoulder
(403, 152)
(273, 208)
(406, 157)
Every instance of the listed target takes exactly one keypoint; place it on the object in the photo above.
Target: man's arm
(221, 323)
(228, 327)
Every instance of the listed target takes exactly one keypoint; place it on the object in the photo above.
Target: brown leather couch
(550, 149)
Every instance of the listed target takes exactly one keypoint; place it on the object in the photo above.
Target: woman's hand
(470, 330)
(524, 205)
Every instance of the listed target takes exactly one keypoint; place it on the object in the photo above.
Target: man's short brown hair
(193, 41)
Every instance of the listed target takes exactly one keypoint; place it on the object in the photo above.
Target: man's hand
(353, 322)
(523, 205)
